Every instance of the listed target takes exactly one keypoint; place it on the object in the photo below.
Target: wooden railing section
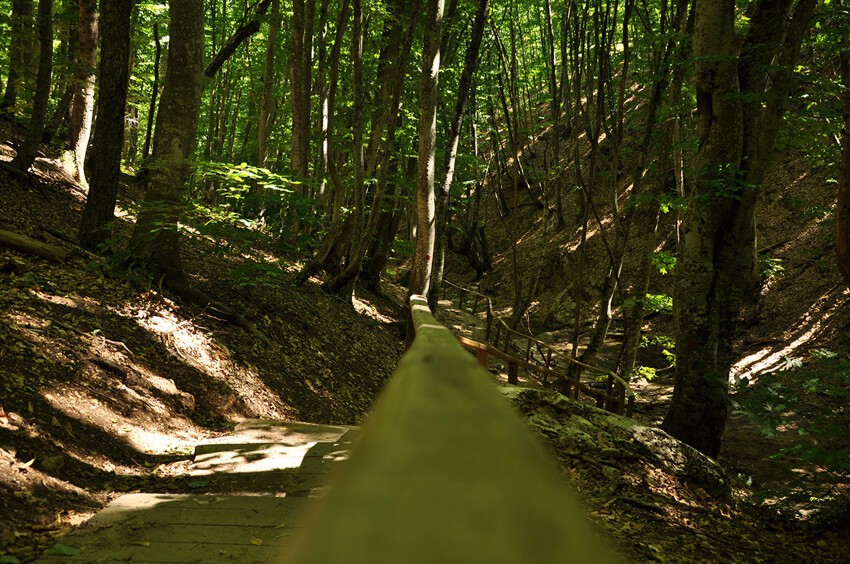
(615, 395)
(446, 470)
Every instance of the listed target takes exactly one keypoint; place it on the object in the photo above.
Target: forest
(217, 211)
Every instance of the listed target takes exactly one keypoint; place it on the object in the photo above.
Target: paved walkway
(289, 461)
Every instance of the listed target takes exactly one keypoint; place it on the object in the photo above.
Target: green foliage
(664, 261)
(658, 303)
(770, 267)
(402, 248)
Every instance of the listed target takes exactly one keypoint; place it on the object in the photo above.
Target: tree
(842, 223)
(450, 159)
(19, 49)
(155, 243)
(420, 278)
(82, 105)
(109, 135)
(27, 152)
(739, 111)
(268, 87)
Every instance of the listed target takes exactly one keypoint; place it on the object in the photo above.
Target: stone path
(288, 462)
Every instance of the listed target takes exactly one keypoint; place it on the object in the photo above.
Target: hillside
(106, 383)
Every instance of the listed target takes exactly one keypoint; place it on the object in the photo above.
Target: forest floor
(106, 383)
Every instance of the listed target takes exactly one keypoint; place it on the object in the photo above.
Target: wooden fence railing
(445, 470)
(500, 342)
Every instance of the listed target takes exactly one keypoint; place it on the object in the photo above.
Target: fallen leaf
(26, 464)
(257, 542)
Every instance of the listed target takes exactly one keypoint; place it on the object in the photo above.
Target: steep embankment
(106, 381)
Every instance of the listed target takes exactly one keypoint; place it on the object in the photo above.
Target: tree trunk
(268, 88)
(420, 278)
(109, 134)
(301, 64)
(392, 71)
(28, 151)
(843, 214)
(320, 259)
(20, 33)
(717, 257)
(464, 88)
(82, 106)
(155, 242)
(146, 148)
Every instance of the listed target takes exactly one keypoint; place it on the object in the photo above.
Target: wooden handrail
(619, 405)
(447, 471)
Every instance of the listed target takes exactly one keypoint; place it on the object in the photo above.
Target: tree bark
(146, 148)
(109, 135)
(268, 88)
(82, 106)
(420, 278)
(301, 64)
(155, 243)
(28, 151)
(20, 32)
(842, 222)
(717, 257)
(470, 63)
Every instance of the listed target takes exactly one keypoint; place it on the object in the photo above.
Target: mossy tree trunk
(739, 111)
(155, 242)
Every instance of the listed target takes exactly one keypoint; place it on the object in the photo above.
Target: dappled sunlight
(364, 307)
(792, 349)
(92, 407)
(194, 348)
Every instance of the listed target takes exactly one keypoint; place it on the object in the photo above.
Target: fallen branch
(24, 243)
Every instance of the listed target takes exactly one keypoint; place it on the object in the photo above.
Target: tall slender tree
(28, 151)
(420, 278)
(99, 211)
(82, 105)
(19, 49)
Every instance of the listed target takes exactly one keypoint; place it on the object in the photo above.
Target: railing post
(489, 321)
(460, 301)
(498, 334)
(475, 303)
(528, 351)
(548, 358)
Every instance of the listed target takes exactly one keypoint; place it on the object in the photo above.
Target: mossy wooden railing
(616, 395)
(446, 471)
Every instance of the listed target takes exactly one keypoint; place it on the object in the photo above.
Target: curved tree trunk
(28, 151)
(82, 106)
(155, 242)
(109, 135)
